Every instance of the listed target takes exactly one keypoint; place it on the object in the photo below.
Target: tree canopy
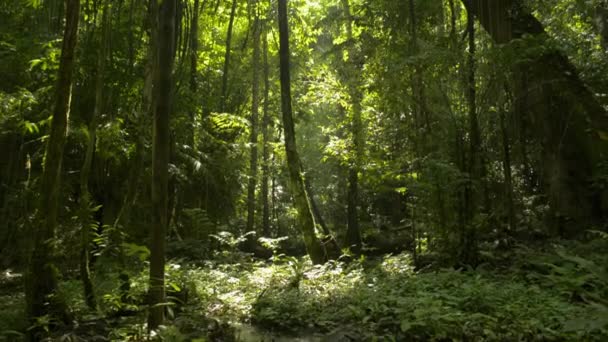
(180, 170)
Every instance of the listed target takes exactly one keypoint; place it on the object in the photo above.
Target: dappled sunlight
(303, 170)
(397, 264)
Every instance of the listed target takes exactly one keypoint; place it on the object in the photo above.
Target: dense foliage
(337, 170)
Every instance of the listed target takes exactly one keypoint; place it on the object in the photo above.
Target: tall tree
(85, 171)
(506, 165)
(474, 157)
(305, 218)
(265, 138)
(194, 45)
(353, 69)
(224, 93)
(42, 274)
(255, 104)
(160, 157)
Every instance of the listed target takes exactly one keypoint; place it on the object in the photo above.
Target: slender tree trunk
(506, 167)
(305, 218)
(147, 109)
(160, 159)
(315, 208)
(193, 67)
(421, 118)
(266, 141)
(42, 273)
(353, 234)
(474, 160)
(253, 138)
(227, 57)
(332, 249)
(85, 196)
(521, 103)
(601, 23)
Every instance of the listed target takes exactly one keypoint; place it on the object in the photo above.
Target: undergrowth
(558, 293)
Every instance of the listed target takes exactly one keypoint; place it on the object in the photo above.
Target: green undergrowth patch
(552, 295)
(12, 316)
(557, 293)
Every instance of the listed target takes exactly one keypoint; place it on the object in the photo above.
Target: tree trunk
(332, 249)
(420, 112)
(305, 218)
(253, 138)
(506, 167)
(353, 234)
(42, 273)
(266, 141)
(227, 57)
(193, 68)
(160, 159)
(474, 161)
(571, 126)
(601, 23)
(315, 208)
(85, 196)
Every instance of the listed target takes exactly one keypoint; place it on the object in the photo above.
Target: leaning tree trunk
(160, 159)
(253, 139)
(305, 218)
(572, 125)
(42, 273)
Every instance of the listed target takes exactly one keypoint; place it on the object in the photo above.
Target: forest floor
(557, 293)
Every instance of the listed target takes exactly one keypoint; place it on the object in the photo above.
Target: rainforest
(293, 170)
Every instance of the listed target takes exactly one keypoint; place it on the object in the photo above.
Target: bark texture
(160, 160)
(305, 218)
(266, 141)
(352, 75)
(42, 274)
(253, 138)
(224, 93)
(85, 171)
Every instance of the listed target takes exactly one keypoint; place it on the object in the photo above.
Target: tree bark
(506, 167)
(42, 273)
(571, 123)
(253, 138)
(266, 141)
(305, 219)
(193, 68)
(315, 208)
(85, 196)
(160, 159)
(353, 233)
(474, 161)
(227, 57)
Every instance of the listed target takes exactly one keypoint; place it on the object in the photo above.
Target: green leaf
(175, 287)
(406, 326)
(30, 127)
(401, 190)
(131, 249)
